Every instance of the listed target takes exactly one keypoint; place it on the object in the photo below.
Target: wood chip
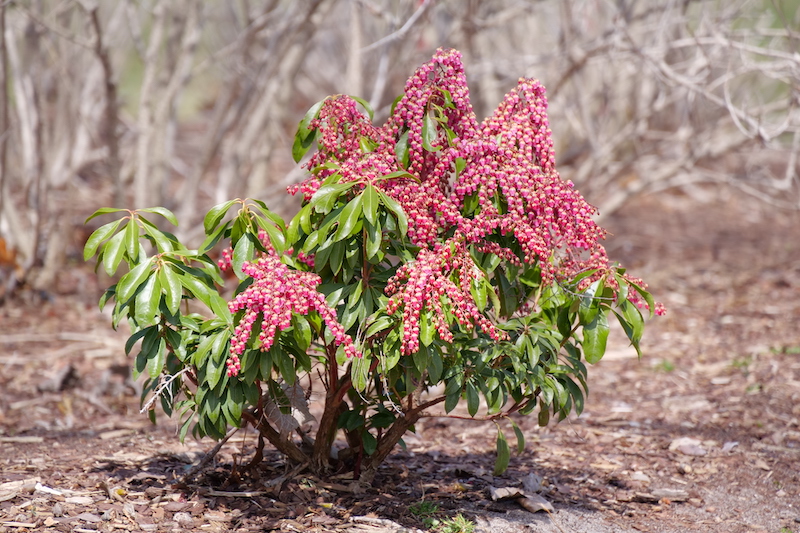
(18, 524)
(115, 434)
(22, 440)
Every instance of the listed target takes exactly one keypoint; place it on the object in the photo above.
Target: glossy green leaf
(218, 356)
(305, 136)
(302, 145)
(135, 337)
(430, 133)
(172, 288)
(634, 319)
(503, 454)
(324, 199)
(519, 435)
(590, 303)
(163, 211)
(163, 241)
(473, 400)
(401, 150)
(215, 215)
(113, 252)
(147, 300)
(371, 203)
(349, 217)
(103, 211)
(132, 280)
(394, 207)
(374, 239)
(421, 359)
(365, 105)
(435, 366)
(359, 372)
(427, 329)
(595, 337)
(243, 251)
(276, 237)
(155, 364)
(381, 323)
(285, 366)
(302, 332)
(98, 236)
(132, 239)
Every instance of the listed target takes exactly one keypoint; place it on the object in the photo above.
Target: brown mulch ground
(703, 434)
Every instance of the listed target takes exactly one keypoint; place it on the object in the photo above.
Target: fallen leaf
(535, 503)
(505, 493)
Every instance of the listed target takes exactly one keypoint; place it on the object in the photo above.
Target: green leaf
(302, 145)
(163, 211)
(113, 252)
(478, 290)
(172, 288)
(374, 239)
(365, 105)
(132, 280)
(371, 203)
(590, 305)
(429, 133)
(103, 211)
(595, 336)
(98, 236)
(217, 359)
(305, 136)
(401, 150)
(394, 207)
(324, 199)
(243, 251)
(381, 323)
(155, 364)
(519, 435)
(302, 332)
(337, 254)
(276, 237)
(285, 366)
(348, 218)
(369, 442)
(634, 318)
(421, 359)
(132, 239)
(503, 454)
(451, 400)
(164, 242)
(359, 372)
(426, 329)
(647, 297)
(215, 215)
(473, 400)
(135, 337)
(147, 300)
(435, 366)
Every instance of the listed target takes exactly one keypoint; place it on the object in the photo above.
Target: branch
(399, 34)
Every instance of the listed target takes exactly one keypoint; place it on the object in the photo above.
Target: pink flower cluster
(427, 283)
(278, 292)
(502, 168)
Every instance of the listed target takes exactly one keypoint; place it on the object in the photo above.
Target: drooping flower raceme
(278, 292)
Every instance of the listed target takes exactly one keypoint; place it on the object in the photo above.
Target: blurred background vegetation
(187, 103)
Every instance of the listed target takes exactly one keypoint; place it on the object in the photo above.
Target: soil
(701, 434)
